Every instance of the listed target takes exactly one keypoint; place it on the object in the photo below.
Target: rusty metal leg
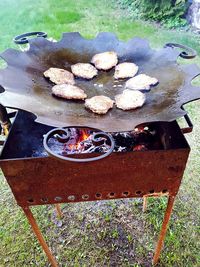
(39, 236)
(163, 229)
(144, 208)
(58, 211)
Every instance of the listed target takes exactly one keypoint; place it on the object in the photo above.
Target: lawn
(107, 233)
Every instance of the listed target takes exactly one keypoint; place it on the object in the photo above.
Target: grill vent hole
(58, 198)
(126, 193)
(111, 194)
(98, 195)
(164, 191)
(138, 192)
(31, 200)
(44, 199)
(85, 197)
(151, 191)
(71, 198)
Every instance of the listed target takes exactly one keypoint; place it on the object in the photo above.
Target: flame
(83, 136)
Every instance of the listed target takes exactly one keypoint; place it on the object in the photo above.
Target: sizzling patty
(125, 70)
(105, 61)
(99, 104)
(68, 91)
(141, 82)
(84, 70)
(59, 76)
(130, 99)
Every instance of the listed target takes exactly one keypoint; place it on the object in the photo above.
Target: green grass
(114, 233)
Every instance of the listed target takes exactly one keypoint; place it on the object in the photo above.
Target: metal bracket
(187, 52)
(189, 123)
(62, 135)
(24, 38)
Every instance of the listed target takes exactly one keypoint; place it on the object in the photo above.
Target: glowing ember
(81, 141)
(139, 148)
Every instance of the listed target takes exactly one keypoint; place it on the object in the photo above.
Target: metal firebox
(36, 178)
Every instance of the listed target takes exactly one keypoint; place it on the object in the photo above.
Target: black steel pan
(24, 86)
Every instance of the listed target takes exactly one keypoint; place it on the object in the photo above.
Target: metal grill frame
(47, 180)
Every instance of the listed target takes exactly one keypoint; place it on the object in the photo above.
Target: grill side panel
(47, 180)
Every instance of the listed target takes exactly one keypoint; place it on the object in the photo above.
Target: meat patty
(130, 99)
(141, 82)
(84, 70)
(68, 91)
(59, 76)
(125, 70)
(105, 61)
(99, 104)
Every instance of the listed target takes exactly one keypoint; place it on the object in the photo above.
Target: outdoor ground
(107, 233)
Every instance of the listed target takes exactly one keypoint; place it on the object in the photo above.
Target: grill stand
(53, 261)
(58, 211)
(163, 229)
(144, 208)
(39, 236)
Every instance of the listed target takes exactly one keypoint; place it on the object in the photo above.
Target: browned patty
(105, 61)
(59, 76)
(68, 91)
(99, 104)
(141, 82)
(130, 99)
(84, 70)
(125, 70)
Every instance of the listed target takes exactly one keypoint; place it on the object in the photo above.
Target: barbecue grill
(91, 157)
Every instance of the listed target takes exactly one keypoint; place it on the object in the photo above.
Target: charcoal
(80, 142)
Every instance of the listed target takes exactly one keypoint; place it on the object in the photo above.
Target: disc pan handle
(25, 37)
(187, 52)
